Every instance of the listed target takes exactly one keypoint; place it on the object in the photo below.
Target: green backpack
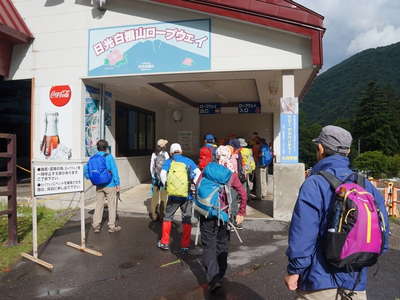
(178, 180)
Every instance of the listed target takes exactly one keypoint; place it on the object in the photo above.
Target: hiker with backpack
(249, 164)
(264, 160)
(214, 203)
(339, 225)
(179, 174)
(159, 193)
(207, 152)
(230, 157)
(102, 171)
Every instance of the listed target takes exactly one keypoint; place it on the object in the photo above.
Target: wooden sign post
(82, 246)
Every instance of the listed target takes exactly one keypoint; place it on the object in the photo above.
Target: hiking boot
(96, 229)
(239, 227)
(114, 229)
(214, 286)
(162, 246)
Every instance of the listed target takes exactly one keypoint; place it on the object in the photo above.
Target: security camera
(99, 4)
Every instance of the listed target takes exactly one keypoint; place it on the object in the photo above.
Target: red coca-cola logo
(60, 95)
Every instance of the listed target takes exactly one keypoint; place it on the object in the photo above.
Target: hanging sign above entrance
(249, 108)
(209, 108)
(150, 48)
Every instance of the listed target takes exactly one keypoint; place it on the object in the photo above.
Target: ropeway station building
(75, 71)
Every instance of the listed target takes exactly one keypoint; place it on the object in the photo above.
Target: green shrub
(373, 163)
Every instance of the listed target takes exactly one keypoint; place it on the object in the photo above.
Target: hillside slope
(334, 94)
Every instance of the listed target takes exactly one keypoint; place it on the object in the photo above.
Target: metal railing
(11, 192)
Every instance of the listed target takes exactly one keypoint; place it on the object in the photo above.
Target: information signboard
(209, 108)
(249, 108)
(289, 138)
(180, 46)
(58, 178)
(289, 130)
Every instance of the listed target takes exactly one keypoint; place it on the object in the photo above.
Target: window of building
(134, 130)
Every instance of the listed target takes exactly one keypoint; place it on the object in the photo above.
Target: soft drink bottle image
(51, 138)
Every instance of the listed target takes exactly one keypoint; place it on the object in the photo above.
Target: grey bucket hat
(335, 138)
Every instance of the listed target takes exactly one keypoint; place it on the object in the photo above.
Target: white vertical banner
(289, 130)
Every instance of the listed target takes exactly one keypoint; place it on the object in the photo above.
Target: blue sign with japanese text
(209, 108)
(150, 48)
(289, 138)
(249, 108)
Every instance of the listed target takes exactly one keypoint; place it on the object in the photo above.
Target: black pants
(178, 202)
(215, 248)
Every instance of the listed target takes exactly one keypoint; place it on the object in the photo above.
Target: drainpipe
(101, 107)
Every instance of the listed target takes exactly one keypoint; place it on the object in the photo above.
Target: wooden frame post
(35, 257)
(82, 247)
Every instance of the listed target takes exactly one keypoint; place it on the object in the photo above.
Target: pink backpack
(356, 227)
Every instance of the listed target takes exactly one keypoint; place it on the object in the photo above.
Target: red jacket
(206, 155)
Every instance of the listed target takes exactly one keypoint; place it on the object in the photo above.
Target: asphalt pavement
(132, 267)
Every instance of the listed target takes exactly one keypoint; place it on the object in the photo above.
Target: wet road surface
(133, 268)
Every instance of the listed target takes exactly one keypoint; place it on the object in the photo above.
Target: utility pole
(359, 146)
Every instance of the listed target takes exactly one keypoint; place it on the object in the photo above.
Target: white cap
(175, 147)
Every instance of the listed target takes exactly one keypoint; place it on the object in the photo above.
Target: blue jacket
(309, 224)
(111, 166)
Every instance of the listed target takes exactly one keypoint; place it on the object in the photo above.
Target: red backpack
(207, 155)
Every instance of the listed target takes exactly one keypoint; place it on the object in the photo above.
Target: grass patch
(48, 221)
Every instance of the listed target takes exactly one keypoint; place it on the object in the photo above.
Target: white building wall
(58, 56)
(61, 33)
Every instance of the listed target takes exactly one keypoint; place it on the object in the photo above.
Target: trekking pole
(159, 198)
(196, 241)
(235, 230)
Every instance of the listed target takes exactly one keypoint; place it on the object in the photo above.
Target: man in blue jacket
(308, 272)
(108, 191)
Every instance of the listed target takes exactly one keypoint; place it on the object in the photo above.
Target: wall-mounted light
(273, 87)
(177, 116)
(99, 4)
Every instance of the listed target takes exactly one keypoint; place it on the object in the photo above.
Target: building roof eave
(12, 24)
(277, 18)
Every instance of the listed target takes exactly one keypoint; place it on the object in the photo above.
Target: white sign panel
(55, 122)
(58, 179)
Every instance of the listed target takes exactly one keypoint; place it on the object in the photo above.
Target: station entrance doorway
(170, 105)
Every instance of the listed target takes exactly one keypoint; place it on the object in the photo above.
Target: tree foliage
(334, 93)
(378, 165)
(362, 95)
(373, 163)
(376, 123)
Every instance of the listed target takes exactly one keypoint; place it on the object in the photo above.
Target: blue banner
(289, 138)
(249, 108)
(209, 108)
(150, 48)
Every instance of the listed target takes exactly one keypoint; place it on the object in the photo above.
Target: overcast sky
(355, 25)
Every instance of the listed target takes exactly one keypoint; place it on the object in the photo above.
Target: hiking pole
(159, 201)
(118, 195)
(235, 230)
(194, 194)
(196, 240)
